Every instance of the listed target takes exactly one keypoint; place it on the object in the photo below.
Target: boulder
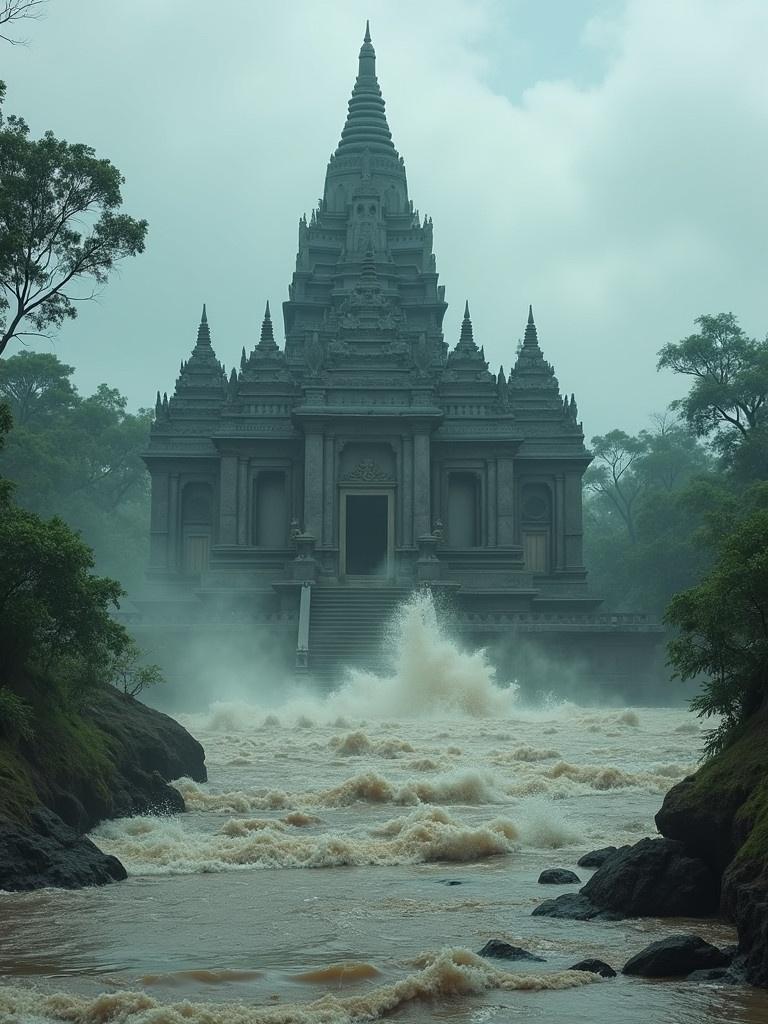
(596, 858)
(558, 876)
(499, 950)
(594, 967)
(45, 852)
(675, 957)
(576, 907)
(654, 878)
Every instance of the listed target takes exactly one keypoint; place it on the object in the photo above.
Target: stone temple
(300, 498)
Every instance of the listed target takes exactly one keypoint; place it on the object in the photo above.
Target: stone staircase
(346, 628)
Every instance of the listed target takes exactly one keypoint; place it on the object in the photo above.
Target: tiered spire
(202, 371)
(366, 125)
(467, 353)
(267, 340)
(532, 371)
(531, 339)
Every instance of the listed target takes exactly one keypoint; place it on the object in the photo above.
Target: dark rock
(596, 858)
(558, 876)
(46, 852)
(674, 957)
(503, 951)
(450, 881)
(575, 907)
(654, 878)
(722, 974)
(595, 967)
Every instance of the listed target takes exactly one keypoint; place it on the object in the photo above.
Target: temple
(317, 484)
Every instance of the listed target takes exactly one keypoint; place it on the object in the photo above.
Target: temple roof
(366, 125)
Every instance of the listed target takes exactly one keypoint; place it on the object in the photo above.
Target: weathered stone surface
(576, 907)
(594, 967)
(596, 858)
(675, 957)
(499, 950)
(654, 878)
(46, 852)
(558, 876)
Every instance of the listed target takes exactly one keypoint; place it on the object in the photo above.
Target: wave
(161, 846)
(449, 974)
(461, 786)
(356, 744)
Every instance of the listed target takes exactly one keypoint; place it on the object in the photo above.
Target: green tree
(36, 385)
(722, 625)
(61, 229)
(728, 398)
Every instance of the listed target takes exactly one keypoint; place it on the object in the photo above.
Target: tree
(129, 674)
(728, 397)
(17, 10)
(61, 231)
(723, 628)
(613, 474)
(36, 384)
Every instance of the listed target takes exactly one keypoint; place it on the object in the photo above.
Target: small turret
(267, 339)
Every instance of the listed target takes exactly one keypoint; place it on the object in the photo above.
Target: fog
(602, 160)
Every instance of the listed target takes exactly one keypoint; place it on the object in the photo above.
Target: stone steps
(347, 627)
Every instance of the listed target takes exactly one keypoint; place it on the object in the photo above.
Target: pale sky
(605, 160)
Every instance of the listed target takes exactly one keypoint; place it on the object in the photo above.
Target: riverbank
(112, 758)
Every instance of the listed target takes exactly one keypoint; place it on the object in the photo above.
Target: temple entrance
(366, 531)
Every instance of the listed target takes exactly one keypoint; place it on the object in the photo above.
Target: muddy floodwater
(351, 854)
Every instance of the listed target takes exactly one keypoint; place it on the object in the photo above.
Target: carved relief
(369, 472)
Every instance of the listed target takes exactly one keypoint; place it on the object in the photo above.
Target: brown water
(311, 879)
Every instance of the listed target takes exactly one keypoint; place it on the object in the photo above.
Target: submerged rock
(576, 907)
(499, 950)
(596, 858)
(595, 967)
(675, 957)
(558, 876)
(45, 852)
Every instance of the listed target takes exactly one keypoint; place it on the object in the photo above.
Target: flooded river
(351, 854)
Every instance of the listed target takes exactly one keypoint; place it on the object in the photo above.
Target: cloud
(621, 193)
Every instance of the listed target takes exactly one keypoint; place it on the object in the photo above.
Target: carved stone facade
(364, 436)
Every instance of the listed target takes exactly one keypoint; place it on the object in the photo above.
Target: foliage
(61, 229)
(53, 610)
(639, 528)
(723, 624)
(128, 674)
(15, 715)
(728, 398)
(78, 458)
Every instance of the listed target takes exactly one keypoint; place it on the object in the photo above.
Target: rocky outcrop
(596, 858)
(653, 878)
(114, 758)
(46, 852)
(675, 957)
(720, 814)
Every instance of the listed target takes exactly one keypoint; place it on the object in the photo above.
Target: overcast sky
(606, 160)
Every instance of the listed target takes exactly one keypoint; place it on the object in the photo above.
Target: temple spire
(267, 340)
(366, 126)
(203, 331)
(466, 338)
(531, 336)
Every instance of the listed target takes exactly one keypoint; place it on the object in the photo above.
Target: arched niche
(536, 526)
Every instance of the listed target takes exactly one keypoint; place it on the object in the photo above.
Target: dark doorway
(366, 539)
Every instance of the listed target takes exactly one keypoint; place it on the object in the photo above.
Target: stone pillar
(422, 518)
(574, 539)
(228, 499)
(159, 519)
(329, 492)
(313, 484)
(505, 497)
(559, 521)
(242, 502)
(407, 471)
(493, 511)
(435, 502)
(174, 523)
